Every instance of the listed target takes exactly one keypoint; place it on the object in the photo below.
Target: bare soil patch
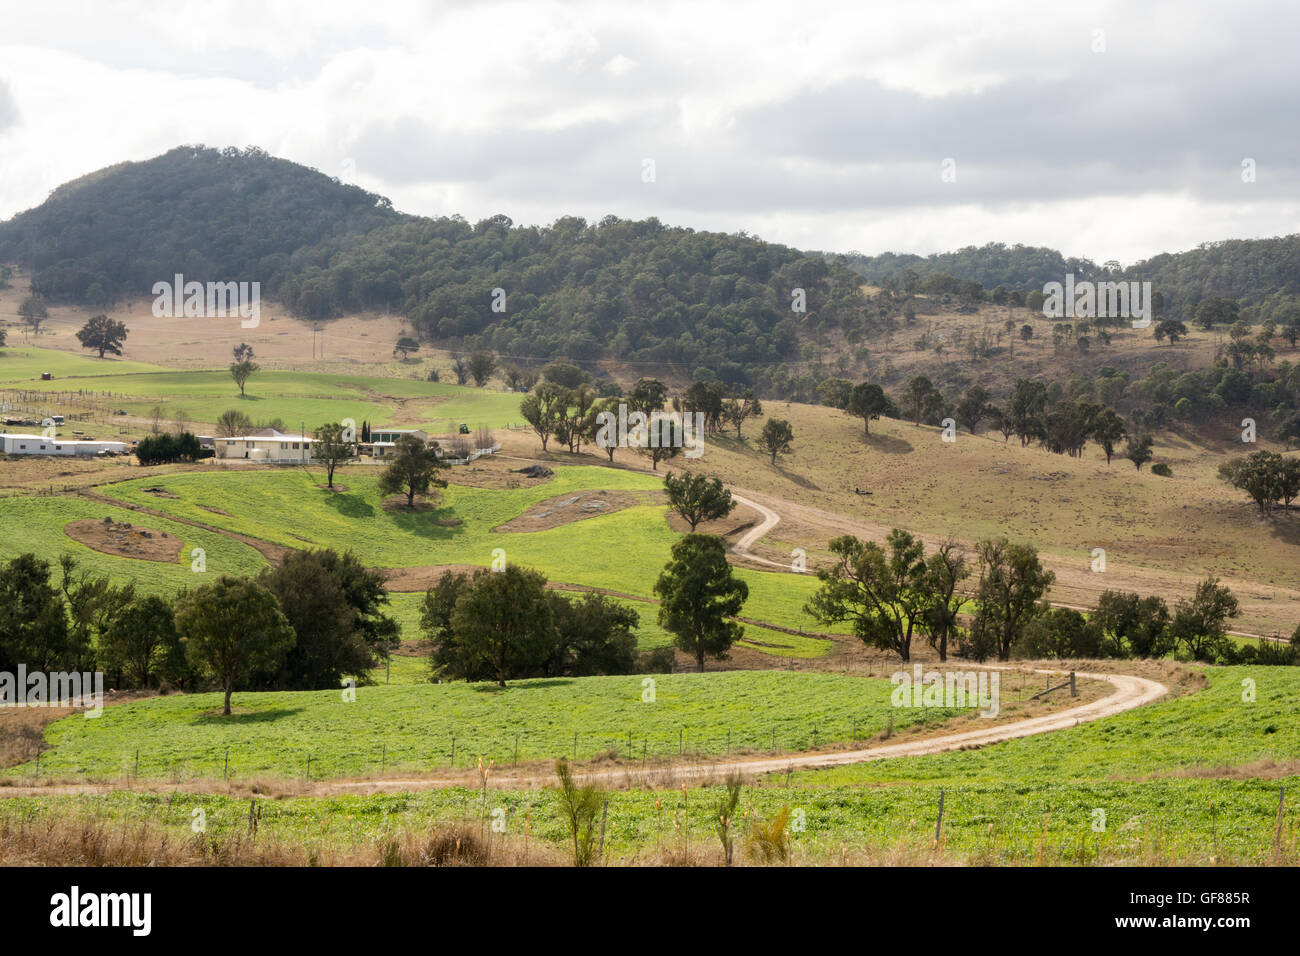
(215, 510)
(487, 473)
(566, 509)
(124, 540)
(337, 488)
(422, 578)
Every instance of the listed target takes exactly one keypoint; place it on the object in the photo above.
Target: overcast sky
(1098, 129)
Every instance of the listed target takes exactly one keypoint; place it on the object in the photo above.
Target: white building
(17, 443)
(389, 436)
(275, 447)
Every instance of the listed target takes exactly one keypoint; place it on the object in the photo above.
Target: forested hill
(1248, 270)
(209, 214)
(693, 304)
(632, 291)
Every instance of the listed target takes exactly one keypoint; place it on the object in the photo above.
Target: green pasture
(295, 397)
(413, 725)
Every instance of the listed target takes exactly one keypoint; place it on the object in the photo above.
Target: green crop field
(1034, 800)
(21, 366)
(1213, 728)
(295, 397)
(286, 507)
(1167, 821)
(36, 525)
(413, 725)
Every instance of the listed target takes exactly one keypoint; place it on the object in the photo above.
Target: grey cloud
(8, 108)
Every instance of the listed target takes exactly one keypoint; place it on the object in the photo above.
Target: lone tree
(504, 620)
(1138, 450)
(482, 366)
(102, 334)
(1200, 624)
(1012, 580)
(243, 352)
(333, 446)
(883, 592)
(777, 438)
(542, 409)
(33, 312)
(242, 371)
(461, 369)
(1108, 428)
(867, 401)
(736, 410)
(698, 594)
(414, 469)
(233, 629)
(697, 497)
(664, 439)
(406, 345)
(233, 422)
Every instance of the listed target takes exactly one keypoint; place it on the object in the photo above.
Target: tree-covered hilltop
(632, 291)
(1247, 270)
(991, 265)
(213, 215)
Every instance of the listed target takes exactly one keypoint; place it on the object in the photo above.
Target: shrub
(768, 840)
(579, 806)
(1163, 470)
(658, 661)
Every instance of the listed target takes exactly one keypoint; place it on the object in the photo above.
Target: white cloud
(820, 125)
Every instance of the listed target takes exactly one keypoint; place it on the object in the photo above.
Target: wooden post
(939, 822)
(225, 771)
(137, 763)
(309, 766)
(1277, 836)
(1074, 691)
(600, 853)
(575, 745)
(681, 737)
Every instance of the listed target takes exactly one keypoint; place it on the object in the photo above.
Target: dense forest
(210, 215)
(1247, 270)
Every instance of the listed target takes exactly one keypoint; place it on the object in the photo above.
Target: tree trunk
(226, 711)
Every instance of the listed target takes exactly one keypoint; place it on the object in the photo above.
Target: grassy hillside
(288, 508)
(201, 396)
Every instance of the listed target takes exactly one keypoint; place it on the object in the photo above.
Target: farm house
(276, 447)
(17, 443)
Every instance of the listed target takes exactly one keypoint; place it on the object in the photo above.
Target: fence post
(604, 810)
(939, 822)
(1073, 690)
(225, 771)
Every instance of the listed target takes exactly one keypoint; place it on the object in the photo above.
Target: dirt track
(1130, 692)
